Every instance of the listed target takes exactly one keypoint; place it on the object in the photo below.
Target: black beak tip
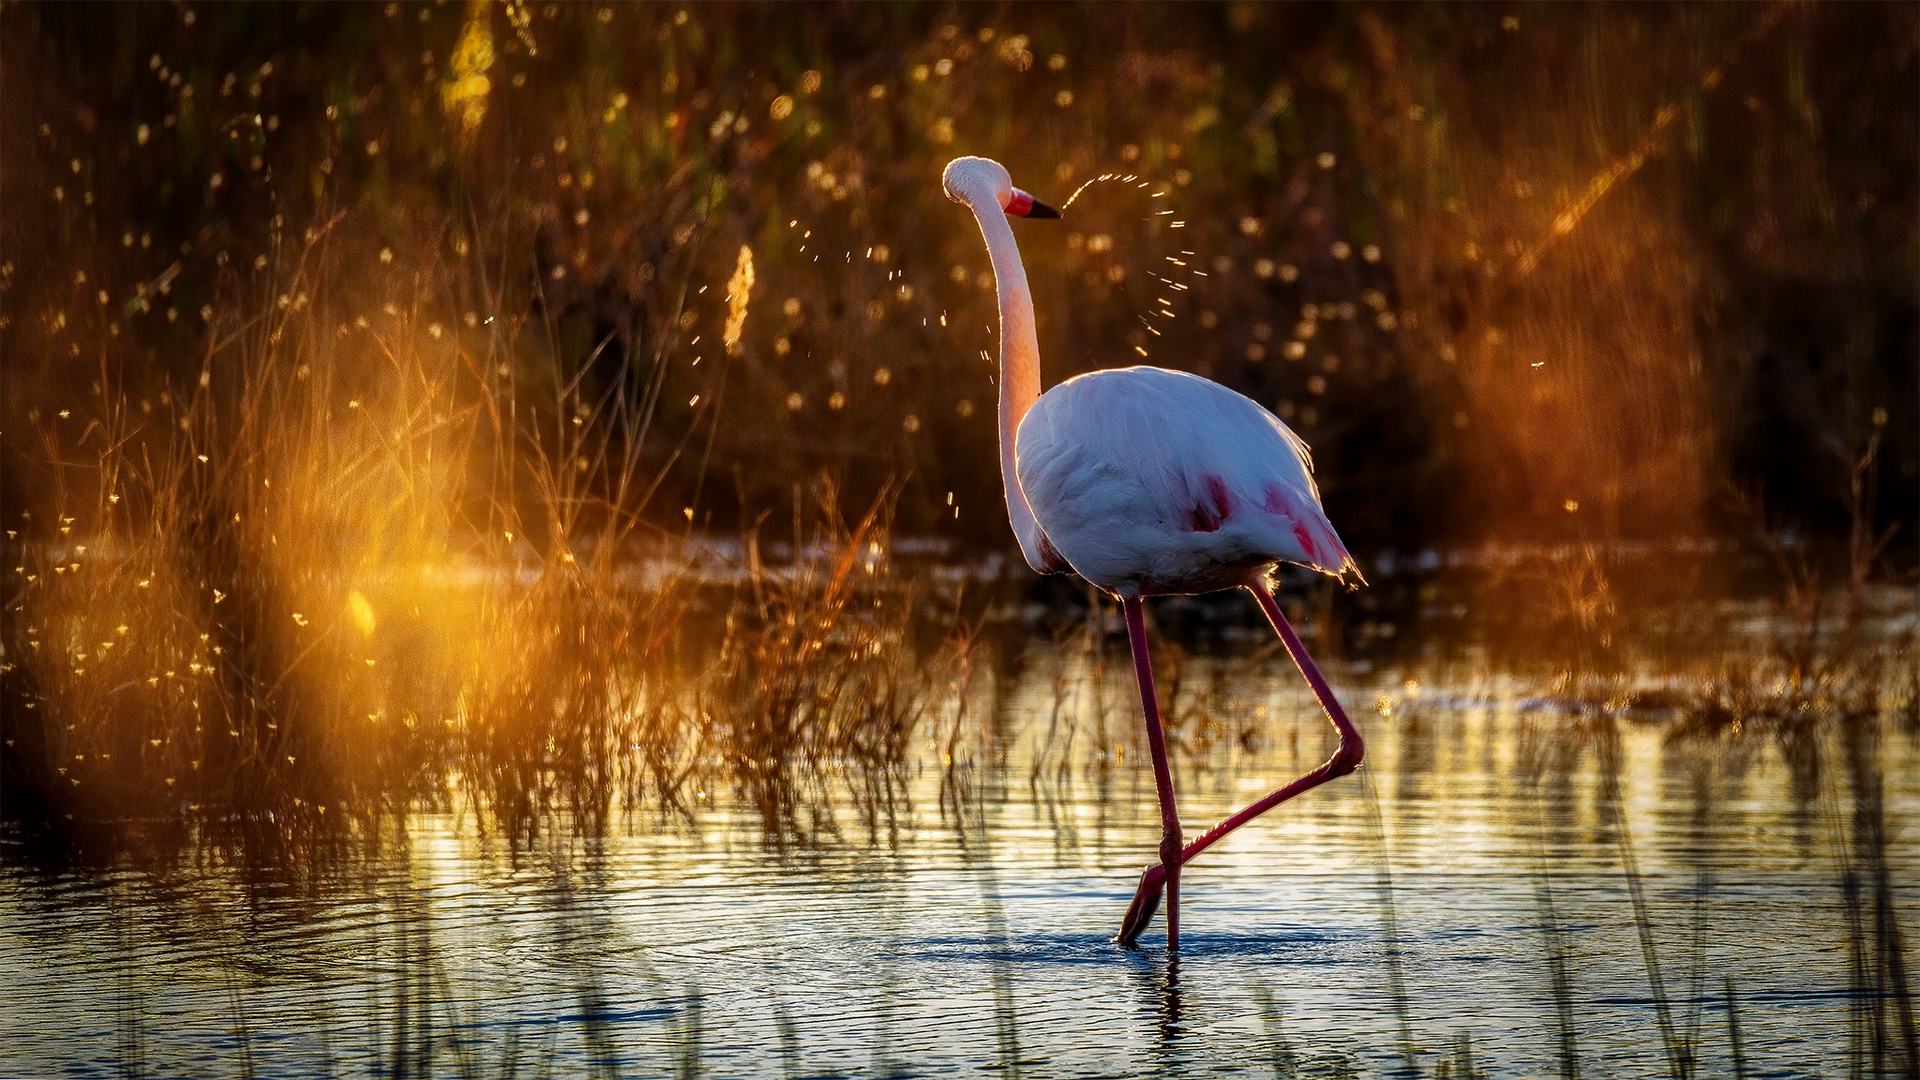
(1042, 210)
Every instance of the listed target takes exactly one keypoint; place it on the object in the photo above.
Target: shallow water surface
(1535, 890)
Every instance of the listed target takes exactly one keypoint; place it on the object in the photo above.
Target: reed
(385, 471)
(815, 680)
(353, 567)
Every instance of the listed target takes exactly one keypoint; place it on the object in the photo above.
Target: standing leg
(1344, 760)
(1170, 838)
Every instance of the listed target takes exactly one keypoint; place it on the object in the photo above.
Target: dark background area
(1637, 259)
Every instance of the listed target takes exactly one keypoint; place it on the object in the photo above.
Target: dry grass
(352, 570)
(363, 431)
(815, 681)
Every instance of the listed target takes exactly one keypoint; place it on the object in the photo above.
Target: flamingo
(1150, 482)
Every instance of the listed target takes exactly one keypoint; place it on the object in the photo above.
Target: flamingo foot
(1146, 902)
(1155, 881)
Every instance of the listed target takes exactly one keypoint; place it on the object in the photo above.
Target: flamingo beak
(1026, 206)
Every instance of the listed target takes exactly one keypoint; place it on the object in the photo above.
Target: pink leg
(1344, 760)
(1162, 781)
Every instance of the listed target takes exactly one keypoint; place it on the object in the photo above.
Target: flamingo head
(977, 182)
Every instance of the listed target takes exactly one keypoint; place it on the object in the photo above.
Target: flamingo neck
(1019, 375)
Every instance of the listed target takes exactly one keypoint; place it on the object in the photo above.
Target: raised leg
(1344, 760)
(1143, 906)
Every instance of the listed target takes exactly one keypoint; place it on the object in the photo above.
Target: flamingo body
(1147, 481)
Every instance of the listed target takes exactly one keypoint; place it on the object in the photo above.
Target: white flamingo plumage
(1150, 482)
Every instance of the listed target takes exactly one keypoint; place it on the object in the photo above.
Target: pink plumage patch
(1050, 556)
(1301, 534)
(1278, 501)
(1208, 514)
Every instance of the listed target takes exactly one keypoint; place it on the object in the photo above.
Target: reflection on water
(1503, 889)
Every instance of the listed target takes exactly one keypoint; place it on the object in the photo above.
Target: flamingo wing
(1147, 481)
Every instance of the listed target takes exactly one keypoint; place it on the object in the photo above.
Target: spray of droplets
(1103, 177)
(1178, 265)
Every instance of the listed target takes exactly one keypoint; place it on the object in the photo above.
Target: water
(1471, 890)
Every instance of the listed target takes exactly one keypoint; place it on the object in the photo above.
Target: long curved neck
(1019, 374)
